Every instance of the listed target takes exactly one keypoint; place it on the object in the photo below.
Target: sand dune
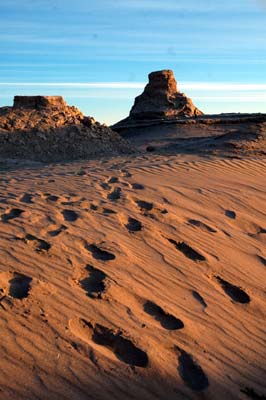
(133, 278)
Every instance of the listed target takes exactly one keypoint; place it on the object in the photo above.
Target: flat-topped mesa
(161, 99)
(39, 102)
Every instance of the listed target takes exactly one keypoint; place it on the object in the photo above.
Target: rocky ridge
(45, 128)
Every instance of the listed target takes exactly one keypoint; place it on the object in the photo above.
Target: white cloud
(202, 86)
(98, 85)
(222, 86)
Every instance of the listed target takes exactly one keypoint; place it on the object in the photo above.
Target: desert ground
(134, 277)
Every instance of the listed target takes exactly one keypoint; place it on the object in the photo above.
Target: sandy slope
(139, 278)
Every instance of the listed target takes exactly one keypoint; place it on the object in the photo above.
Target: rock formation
(39, 102)
(45, 128)
(160, 100)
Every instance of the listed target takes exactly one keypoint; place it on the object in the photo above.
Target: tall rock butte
(161, 99)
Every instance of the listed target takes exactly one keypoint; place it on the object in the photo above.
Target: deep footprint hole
(94, 285)
(100, 254)
(133, 225)
(187, 250)
(19, 286)
(39, 244)
(199, 298)
(70, 215)
(123, 348)
(115, 194)
(14, 213)
(234, 292)
(26, 198)
(57, 231)
(166, 320)
(230, 214)
(191, 372)
(201, 225)
(137, 186)
(144, 205)
(252, 394)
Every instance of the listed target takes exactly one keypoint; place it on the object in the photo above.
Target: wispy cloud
(192, 5)
(202, 86)
(99, 85)
(234, 99)
(223, 86)
(85, 5)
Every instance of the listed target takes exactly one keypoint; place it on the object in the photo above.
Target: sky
(98, 54)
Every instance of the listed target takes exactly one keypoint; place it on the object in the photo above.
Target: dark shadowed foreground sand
(133, 278)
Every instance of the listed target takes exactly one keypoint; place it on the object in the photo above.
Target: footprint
(191, 372)
(57, 231)
(107, 211)
(236, 293)
(115, 194)
(137, 186)
(94, 285)
(259, 235)
(199, 298)
(102, 210)
(249, 392)
(262, 260)
(51, 197)
(26, 198)
(99, 254)
(230, 214)
(70, 215)
(123, 348)
(113, 179)
(19, 286)
(144, 205)
(38, 245)
(133, 225)
(188, 251)
(201, 225)
(14, 213)
(105, 185)
(167, 321)
(15, 285)
(165, 200)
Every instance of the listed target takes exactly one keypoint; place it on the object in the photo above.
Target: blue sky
(97, 54)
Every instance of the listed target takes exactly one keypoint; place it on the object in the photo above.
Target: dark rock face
(37, 102)
(45, 128)
(162, 99)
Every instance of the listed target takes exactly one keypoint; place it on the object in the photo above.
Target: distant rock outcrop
(160, 100)
(45, 128)
(39, 102)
